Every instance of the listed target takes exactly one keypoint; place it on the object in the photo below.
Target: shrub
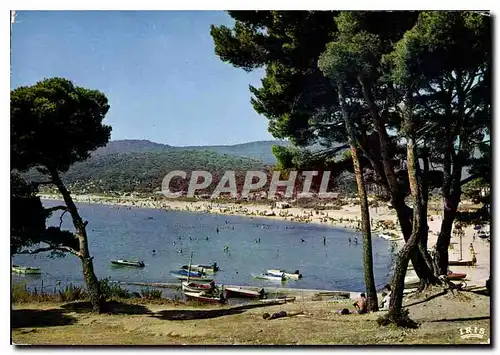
(113, 290)
(151, 294)
(72, 293)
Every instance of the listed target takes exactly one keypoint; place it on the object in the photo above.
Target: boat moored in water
(295, 276)
(122, 262)
(184, 276)
(25, 269)
(270, 277)
(208, 269)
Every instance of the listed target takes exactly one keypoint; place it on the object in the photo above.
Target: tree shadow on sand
(461, 319)
(189, 314)
(111, 307)
(426, 299)
(21, 318)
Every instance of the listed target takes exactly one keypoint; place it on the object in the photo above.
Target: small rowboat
(208, 269)
(25, 269)
(122, 262)
(183, 276)
(195, 287)
(279, 300)
(201, 297)
(270, 277)
(456, 275)
(238, 292)
(295, 276)
(190, 273)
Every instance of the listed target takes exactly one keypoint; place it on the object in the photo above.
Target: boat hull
(192, 278)
(25, 270)
(269, 277)
(200, 297)
(456, 276)
(195, 287)
(200, 269)
(237, 292)
(127, 263)
(286, 274)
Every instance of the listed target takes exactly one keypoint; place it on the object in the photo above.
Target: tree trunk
(422, 269)
(90, 278)
(371, 292)
(395, 314)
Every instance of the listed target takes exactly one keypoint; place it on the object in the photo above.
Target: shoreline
(346, 217)
(383, 220)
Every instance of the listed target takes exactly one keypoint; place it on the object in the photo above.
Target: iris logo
(472, 333)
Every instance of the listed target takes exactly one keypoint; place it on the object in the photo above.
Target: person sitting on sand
(361, 304)
(344, 311)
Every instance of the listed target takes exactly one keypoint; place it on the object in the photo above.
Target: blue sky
(158, 70)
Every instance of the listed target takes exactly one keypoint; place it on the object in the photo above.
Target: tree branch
(52, 248)
(56, 208)
(468, 179)
(61, 217)
(38, 183)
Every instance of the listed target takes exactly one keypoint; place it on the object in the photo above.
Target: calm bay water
(133, 233)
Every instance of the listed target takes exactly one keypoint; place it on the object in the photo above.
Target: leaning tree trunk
(404, 214)
(371, 292)
(90, 278)
(395, 314)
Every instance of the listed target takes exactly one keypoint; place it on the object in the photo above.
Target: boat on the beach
(270, 277)
(295, 276)
(413, 280)
(192, 277)
(456, 275)
(188, 286)
(279, 300)
(122, 262)
(25, 269)
(238, 292)
(202, 297)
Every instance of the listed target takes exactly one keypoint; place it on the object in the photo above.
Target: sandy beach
(384, 221)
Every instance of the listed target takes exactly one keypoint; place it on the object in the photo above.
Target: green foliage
(151, 294)
(72, 293)
(400, 319)
(144, 171)
(27, 217)
(55, 124)
(111, 290)
(21, 294)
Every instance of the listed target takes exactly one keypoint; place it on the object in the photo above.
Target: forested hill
(260, 150)
(140, 165)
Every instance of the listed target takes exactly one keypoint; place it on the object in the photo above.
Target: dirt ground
(442, 317)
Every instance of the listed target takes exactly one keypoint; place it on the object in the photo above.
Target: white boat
(389, 237)
(188, 286)
(25, 269)
(206, 269)
(295, 276)
(270, 277)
